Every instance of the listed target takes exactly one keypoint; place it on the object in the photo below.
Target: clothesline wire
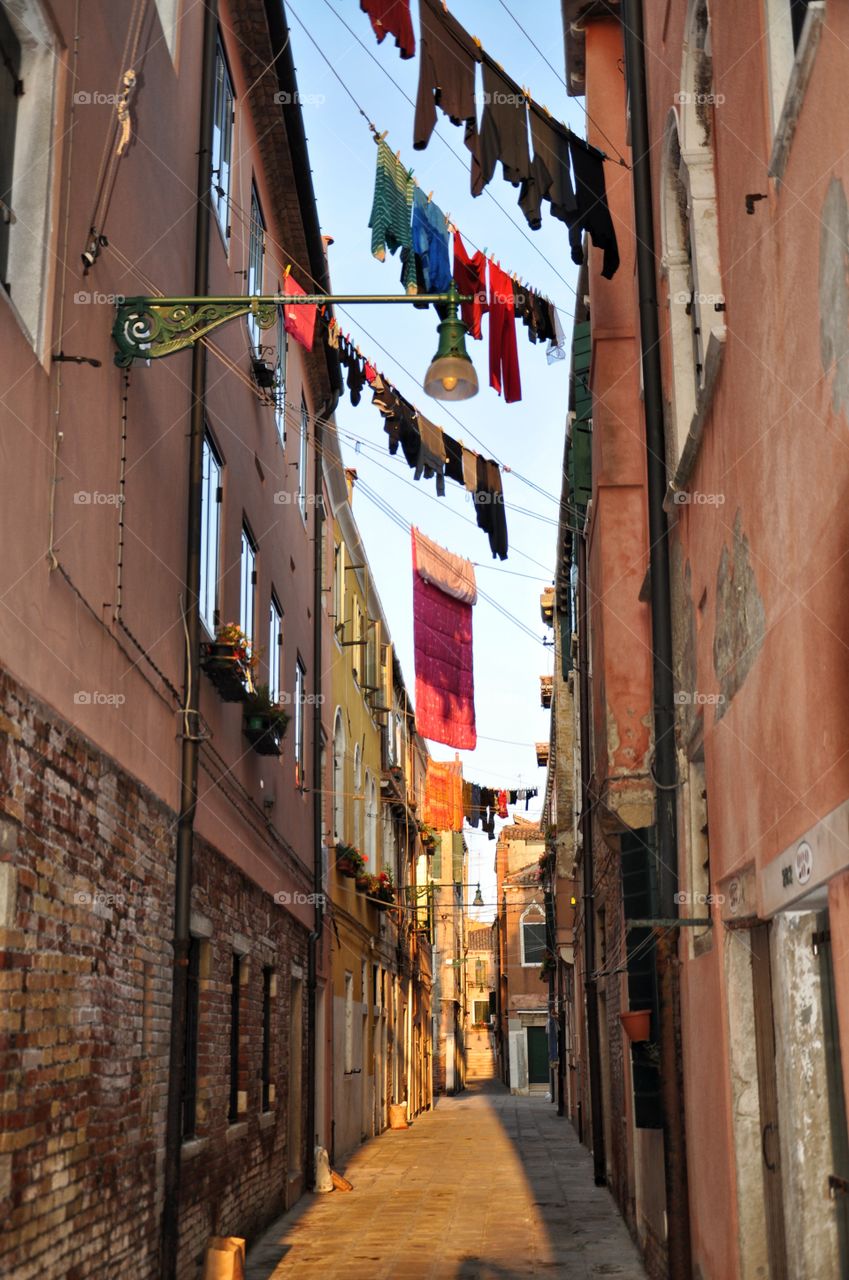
(445, 143)
(621, 159)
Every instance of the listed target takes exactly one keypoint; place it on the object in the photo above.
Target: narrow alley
(487, 1186)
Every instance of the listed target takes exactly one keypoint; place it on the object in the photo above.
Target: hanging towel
(503, 354)
(442, 640)
(392, 211)
(470, 470)
(392, 18)
(446, 75)
(443, 797)
(550, 178)
(299, 320)
(430, 244)
(592, 214)
(431, 457)
(451, 573)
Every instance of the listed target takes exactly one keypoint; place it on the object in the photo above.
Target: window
(168, 11)
(793, 29)
(222, 142)
(303, 459)
(480, 1012)
(27, 105)
(190, 1043)
(533, 937)
(339, 585)
(280, 379)
(358, 797)
(267, 983)
(300, 698)
(371, 820)
(480, 973)
(349, 1023)
(275, 646)
(247, 597)
(235, 993)
(210, 535)
(256, 253)
(339, 778)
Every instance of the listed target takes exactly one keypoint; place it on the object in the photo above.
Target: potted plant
(229, 660)
(428, 837)
(384, 890)
(349, 861)
(547, 967)
(636, 1024)
(265, 722)
(364, 880)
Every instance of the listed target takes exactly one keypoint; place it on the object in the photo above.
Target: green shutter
(639, 899)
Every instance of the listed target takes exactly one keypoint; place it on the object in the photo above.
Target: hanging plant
(230, 660)
(349, 861)
(547, 967)
(265, 722)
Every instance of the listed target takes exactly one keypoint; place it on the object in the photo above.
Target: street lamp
(478, 898)
(149, 328)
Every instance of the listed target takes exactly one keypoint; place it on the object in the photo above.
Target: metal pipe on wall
(672, 1094)
(169, 1242)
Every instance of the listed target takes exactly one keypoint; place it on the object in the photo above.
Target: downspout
(590, 986)
(672, 1093)
(191, 681)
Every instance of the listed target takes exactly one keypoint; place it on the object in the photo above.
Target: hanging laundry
(503, 131)
(557, 345)
(476, 805)
(503, 355)
(592, 213)
(431, 459)
(502, 804)
(443, 797)
(453, 458)
(489, 506)
(430, 243)
(470, 278)
(529, 796)
(448, 56)
(299, 320)
(470, 470)
(392, 18)
(550, 177)
(392, 211)
(467, 802)
(350, 359)
(444, 592)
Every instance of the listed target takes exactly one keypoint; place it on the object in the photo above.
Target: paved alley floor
(485, 1187)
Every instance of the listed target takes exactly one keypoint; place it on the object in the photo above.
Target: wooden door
(538, 1070)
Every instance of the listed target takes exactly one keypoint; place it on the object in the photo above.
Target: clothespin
(286, 270)
(378, 137)
(429, 196)
(546, 110)
(398, 156)
(480, 46)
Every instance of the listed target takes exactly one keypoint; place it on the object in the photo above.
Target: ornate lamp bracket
(149, 328)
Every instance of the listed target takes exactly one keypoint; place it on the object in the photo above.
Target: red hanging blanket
(442, 637)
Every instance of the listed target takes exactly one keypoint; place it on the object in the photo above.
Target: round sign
(804, 862)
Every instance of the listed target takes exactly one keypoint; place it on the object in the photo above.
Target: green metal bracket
(670, 922)
(148, 328)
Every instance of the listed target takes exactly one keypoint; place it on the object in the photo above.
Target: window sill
(689, 453)
(236, 1130)
(193, 1147)
(800, 75)
(267, 1119)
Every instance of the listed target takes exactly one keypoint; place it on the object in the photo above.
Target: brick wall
(86, 891)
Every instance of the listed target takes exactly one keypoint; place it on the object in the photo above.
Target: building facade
(525, 958)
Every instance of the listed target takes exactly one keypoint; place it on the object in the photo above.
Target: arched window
(532, 935)
(358, 797)
(690, 258)
(371, 822)
(339, 778)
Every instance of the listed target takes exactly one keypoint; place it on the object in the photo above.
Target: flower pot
(227, 670)
(264, 733)
(636, 1025)
(346, 869)
(362, 884)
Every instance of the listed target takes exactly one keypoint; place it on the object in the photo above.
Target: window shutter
(219, 494)
(253, 577)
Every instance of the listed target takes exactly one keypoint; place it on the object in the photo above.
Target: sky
(526, 436)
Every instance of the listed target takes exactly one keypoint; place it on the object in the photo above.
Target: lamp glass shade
(451, 378)
(478, 900)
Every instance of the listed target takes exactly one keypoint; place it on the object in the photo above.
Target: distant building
(524, 958)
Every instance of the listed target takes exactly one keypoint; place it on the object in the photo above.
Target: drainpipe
(590, 986)
(191, 681)
(672, 1093)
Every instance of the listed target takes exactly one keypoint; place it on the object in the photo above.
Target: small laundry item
(400, 424)
(502, 804)
(392, 18)
(443, 797)
(442, 641)
(550, 176)
(503, 355)
(592, 213)
(369, 373)
(489, 506)
(431, 459)
(430, 243)
(299, 319)
(453, 458)
(513, 796)
(503, 131)
(529, 796)
(392, 211)
(448, 57)
(467, 801)
(470, 278)
(350, 359)
(475, 817)
(470, 470)
(557, 345)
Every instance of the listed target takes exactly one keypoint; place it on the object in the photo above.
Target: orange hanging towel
(443, 799)
(299, 318)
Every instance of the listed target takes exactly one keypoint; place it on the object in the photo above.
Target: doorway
(537, 1055)
(768, 1101)
(295, 1098)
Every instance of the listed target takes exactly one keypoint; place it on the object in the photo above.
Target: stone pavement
(485, 1187)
